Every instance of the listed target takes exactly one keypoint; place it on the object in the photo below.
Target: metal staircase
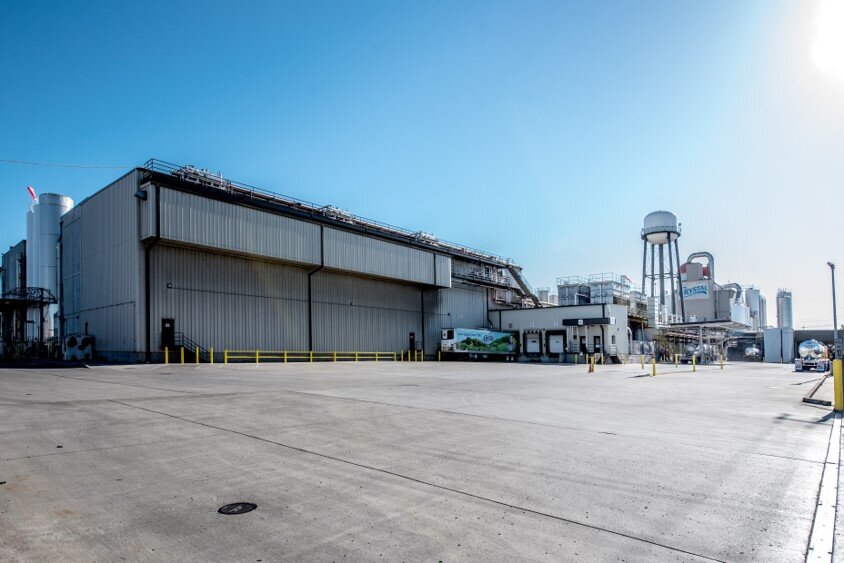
(190, 347)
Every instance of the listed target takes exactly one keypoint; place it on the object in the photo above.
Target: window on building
(613, 339)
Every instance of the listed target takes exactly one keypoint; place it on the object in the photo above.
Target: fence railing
(197, 356)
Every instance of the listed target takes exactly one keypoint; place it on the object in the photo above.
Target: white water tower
(660, 233)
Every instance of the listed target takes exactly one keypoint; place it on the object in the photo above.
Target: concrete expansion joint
(822, 537)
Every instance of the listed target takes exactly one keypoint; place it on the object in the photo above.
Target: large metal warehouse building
(168, 255)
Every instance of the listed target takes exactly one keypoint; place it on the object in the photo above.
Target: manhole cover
(237, 508)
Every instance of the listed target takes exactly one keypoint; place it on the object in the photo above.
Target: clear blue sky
(542, 131)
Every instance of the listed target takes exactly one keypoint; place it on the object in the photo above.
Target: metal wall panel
(367, 255)
(360, 314)
(200, 221)
(516, 319)
(443, 270)
(101, 268)
(229, 302)
(458, 307)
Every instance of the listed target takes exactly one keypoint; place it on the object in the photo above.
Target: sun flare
(828, 44)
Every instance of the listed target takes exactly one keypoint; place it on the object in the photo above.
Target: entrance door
(597, 341)
(168, 333)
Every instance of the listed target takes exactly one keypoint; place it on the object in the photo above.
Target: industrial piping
(709, 257)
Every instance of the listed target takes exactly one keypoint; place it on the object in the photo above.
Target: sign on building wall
(697, 291)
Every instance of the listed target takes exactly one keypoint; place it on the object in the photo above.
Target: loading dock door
(532, 344)
(556, 344)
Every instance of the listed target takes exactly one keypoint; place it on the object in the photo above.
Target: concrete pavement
(409, 461)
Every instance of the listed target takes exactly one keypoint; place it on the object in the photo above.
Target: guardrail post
(166, 355)
(394, 356)
(376, 356)
(182, 354)
(653, 367)
(285, 356)
(356, 356)
(225, 356)
(196, 353)
(211, 355)
(838, 384)
(257, 357)
(311, 356)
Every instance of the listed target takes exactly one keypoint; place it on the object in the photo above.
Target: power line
(60, 165)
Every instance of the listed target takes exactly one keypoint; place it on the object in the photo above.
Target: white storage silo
(42, 255)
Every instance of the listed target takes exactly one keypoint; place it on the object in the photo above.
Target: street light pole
(835, 347)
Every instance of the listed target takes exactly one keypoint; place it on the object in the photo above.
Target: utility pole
(836, 347)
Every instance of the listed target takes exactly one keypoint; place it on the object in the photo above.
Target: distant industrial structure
(785, 318)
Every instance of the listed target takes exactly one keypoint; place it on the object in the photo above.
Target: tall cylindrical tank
(660, 227)
(30, 242)
(784, 317)
(43, 229)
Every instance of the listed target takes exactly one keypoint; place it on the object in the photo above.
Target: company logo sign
(699, 291)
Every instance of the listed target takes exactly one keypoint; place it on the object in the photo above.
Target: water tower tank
(660, 227)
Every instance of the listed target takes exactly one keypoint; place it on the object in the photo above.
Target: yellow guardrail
(307, 356)
(284, 356)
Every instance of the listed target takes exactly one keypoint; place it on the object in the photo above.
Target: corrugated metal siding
(201, 221)
(229, 302)
(367, 255)
(102, 267)
(148, 227)
(354, 313)
(545, 318)
(458, 307)
(443, 268)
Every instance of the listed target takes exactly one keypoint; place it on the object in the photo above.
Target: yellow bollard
(439, 355)
(643, 361)
(376, 356)
(182, 354)
(602, 360)
(576, 359)
(722, 361)
(311, 356)
(257, 357)
(653, 367)
(356, 356)
(334, 356)
(838, 385)
(166, 355)
(196, 354)
(394, 356)
(285, 356)
(211, 355)
(676, 360)
(694, 362)
(225, 356)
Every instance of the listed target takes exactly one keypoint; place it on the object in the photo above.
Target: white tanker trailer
(811, 354)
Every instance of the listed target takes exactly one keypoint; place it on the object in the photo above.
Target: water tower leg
(662, 274)
(653, 269)
(671, 277)
(680, 282)
(644, 262)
